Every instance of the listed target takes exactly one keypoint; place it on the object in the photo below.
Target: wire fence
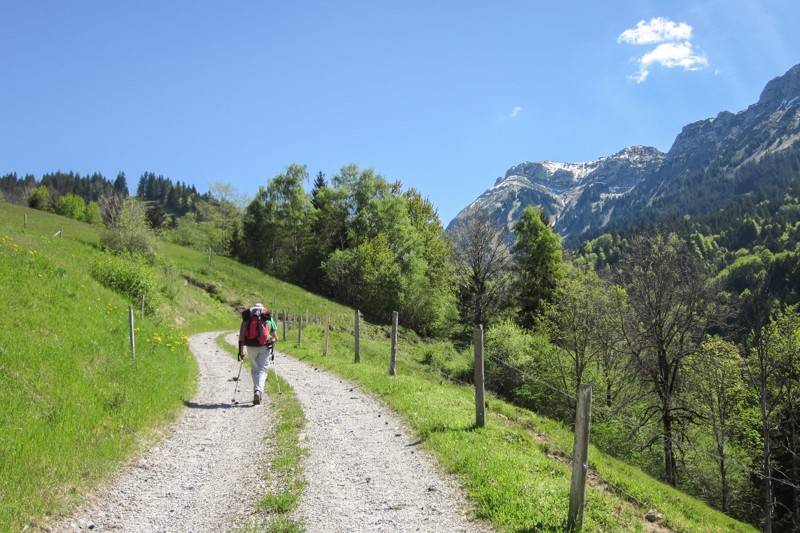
(345, 322)
(635, 426)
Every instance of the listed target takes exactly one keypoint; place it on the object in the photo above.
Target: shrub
(130, 277)
(92, 214)
(40, 198)
(71, 206)
(508, 357)
(519, 365)
(443, 357)
(128, 231)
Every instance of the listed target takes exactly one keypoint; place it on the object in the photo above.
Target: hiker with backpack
(257, 336)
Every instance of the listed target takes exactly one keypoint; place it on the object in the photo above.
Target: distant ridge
(582, 198)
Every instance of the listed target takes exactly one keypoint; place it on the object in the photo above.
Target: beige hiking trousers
(259, 366)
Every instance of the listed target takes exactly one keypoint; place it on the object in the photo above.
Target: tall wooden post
(25, 220)
(580, 463)
(327, 332)
(284, 323)
(358, 337)
(130, 320)
(480, 401)
(393, 356)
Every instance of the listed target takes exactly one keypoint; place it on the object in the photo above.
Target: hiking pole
(241, 362)
(278, 381)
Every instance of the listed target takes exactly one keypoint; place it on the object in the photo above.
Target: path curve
(364, 472)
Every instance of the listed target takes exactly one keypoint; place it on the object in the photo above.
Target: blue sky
(444, 96)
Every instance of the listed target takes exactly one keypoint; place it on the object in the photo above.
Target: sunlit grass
(516, 469)
(75, 400)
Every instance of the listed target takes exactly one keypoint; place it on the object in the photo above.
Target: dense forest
(685, 320)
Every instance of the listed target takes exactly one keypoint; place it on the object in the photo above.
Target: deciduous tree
(672, 304)
(483, 269)
(715, 386)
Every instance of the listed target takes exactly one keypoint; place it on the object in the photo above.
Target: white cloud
(671, 55)
(674, 50)
(515, 112)
(657, 30)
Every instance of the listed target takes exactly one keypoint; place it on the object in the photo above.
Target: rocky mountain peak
(637, 154)
(781, 90)
(555, 176)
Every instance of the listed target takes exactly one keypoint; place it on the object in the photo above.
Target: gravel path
(364, 472)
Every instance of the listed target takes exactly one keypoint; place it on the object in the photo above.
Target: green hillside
(76, 401)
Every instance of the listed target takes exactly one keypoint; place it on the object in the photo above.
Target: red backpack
(256, 330)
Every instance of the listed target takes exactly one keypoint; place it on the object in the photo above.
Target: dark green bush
(130, 277)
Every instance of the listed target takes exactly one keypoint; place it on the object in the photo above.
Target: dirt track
(363, 473)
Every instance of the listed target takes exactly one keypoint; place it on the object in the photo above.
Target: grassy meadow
(75, 402)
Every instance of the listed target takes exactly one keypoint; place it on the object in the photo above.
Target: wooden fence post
(130, 320)
(25, 220)
(327, 331)
(580, 464)
(480, 402)
(284, 323)
(393, 355)
(358, 337)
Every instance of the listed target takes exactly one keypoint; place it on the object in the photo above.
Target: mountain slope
(623, 188)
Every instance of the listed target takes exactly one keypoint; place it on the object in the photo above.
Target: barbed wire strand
(534, 378)
(574, 398)
(640, 503)
(728, 460)
(631, 424)
(453, 379)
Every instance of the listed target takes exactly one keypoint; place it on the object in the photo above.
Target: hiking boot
(256, 398)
